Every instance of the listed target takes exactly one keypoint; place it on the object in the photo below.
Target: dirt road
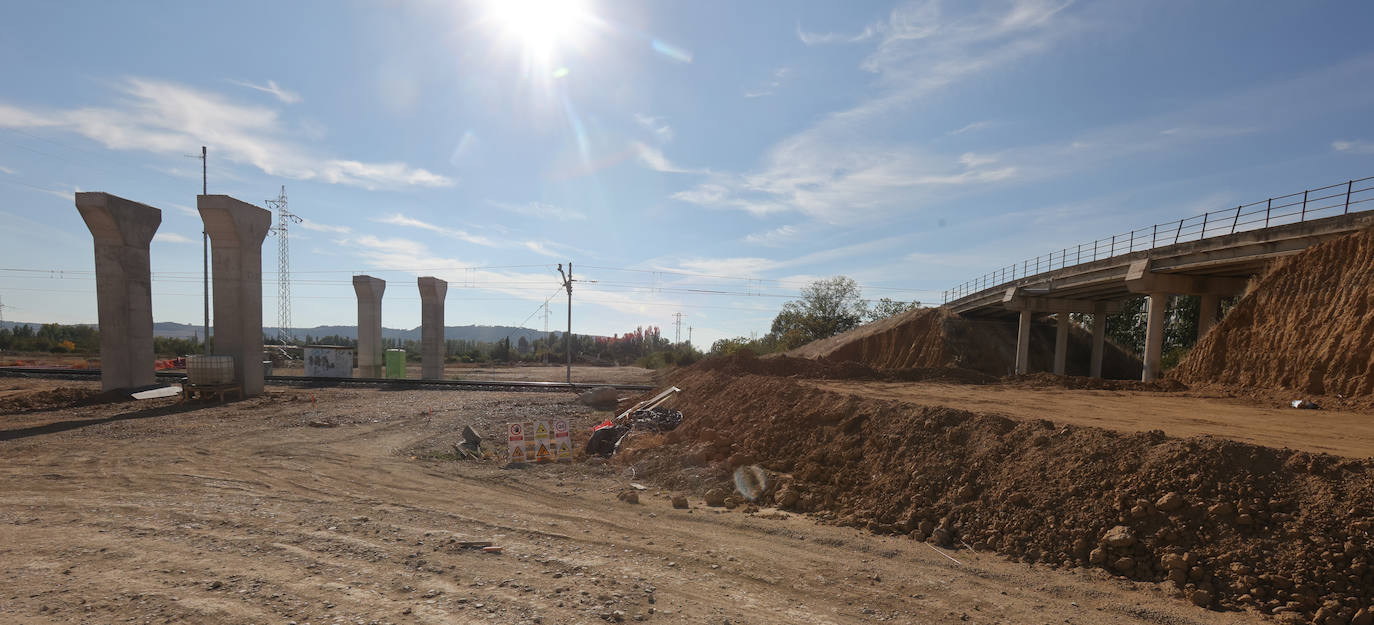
(243, 513)
(1338, 432)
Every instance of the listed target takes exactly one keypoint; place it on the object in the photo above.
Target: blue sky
(707, 158)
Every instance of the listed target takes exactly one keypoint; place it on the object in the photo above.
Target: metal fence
(1337, 199)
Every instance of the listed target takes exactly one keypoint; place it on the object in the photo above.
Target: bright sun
(540, 27)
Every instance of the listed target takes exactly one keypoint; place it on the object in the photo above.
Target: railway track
(293, 380)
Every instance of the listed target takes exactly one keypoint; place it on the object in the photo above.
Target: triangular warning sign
(543, 455)
(517, 454)
(541, 429)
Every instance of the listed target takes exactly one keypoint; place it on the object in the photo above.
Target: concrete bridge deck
(1209, 266)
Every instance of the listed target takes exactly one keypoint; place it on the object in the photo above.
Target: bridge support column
(1061, 343)
(1023, 329)
(432, 292)
(122, 231)
(1154, 335)
(1099, 338)
(236, 231)
(369, 290)
(1208, 306)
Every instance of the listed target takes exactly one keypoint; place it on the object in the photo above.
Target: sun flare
(541, 28)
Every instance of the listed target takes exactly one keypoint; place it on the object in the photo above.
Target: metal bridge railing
(1337, 199)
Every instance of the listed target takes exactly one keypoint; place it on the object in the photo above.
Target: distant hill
(485, 334)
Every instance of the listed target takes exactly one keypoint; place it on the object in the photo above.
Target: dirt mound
(782, 365)
(934, 337)
(52, 399)
(1306, 325)
(1229, 524)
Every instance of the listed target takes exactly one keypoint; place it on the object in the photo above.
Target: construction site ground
(155, 512)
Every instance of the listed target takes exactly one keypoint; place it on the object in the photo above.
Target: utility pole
(205, 246)
(546, 331)
(284, 218)
(2, 311)
(567, 338)
(677, 333)
(689, 334)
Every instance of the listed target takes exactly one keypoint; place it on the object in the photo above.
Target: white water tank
(212, 369)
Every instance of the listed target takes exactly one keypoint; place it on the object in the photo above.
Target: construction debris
(646, 416)
(602, 397)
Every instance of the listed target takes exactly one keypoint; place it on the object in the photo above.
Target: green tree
(826, 308)
(887, 307)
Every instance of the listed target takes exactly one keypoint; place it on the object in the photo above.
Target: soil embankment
(933, 337)
(1307, 325)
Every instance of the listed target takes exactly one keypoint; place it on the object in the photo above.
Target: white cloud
(811, 39)
(8, 170)
(541, 210)
(660, 129)
(172, 237)
(184, 209)
(845, 168)
(773, 237)
(319, 227)
(654, 159)
(272, 88)
(169, 118)
(970, 128)
(1353, 147)
(398, 219)
(776, 81)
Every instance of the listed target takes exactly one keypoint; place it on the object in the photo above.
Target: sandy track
(242, 514)
(1339, 432)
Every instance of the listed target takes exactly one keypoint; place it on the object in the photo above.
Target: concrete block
(236, 230)
(432, 294)
(369, 291)
(122, 230)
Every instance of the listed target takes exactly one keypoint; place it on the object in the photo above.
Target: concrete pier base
(122, 230)
(369, 290)
(432, 293)
(1099, 338)
(1061, 343)
(1154, 335)
(1023, 328)
(236, 231)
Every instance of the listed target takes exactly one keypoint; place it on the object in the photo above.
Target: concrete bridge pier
(1023, 328)
(236, 231)
(1154, 335)
(432, 292)
(1061, 343)
(1099, 338)
(369, 291)
(122, 230)
(1209, 307)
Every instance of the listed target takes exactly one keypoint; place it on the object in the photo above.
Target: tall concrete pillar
(369, 290)
(1154, 335)
(1099, 338)
(1209, 305)
(1023, 343)
(122, 230)
(1061, 343)
(432, 293)
(236, 232)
